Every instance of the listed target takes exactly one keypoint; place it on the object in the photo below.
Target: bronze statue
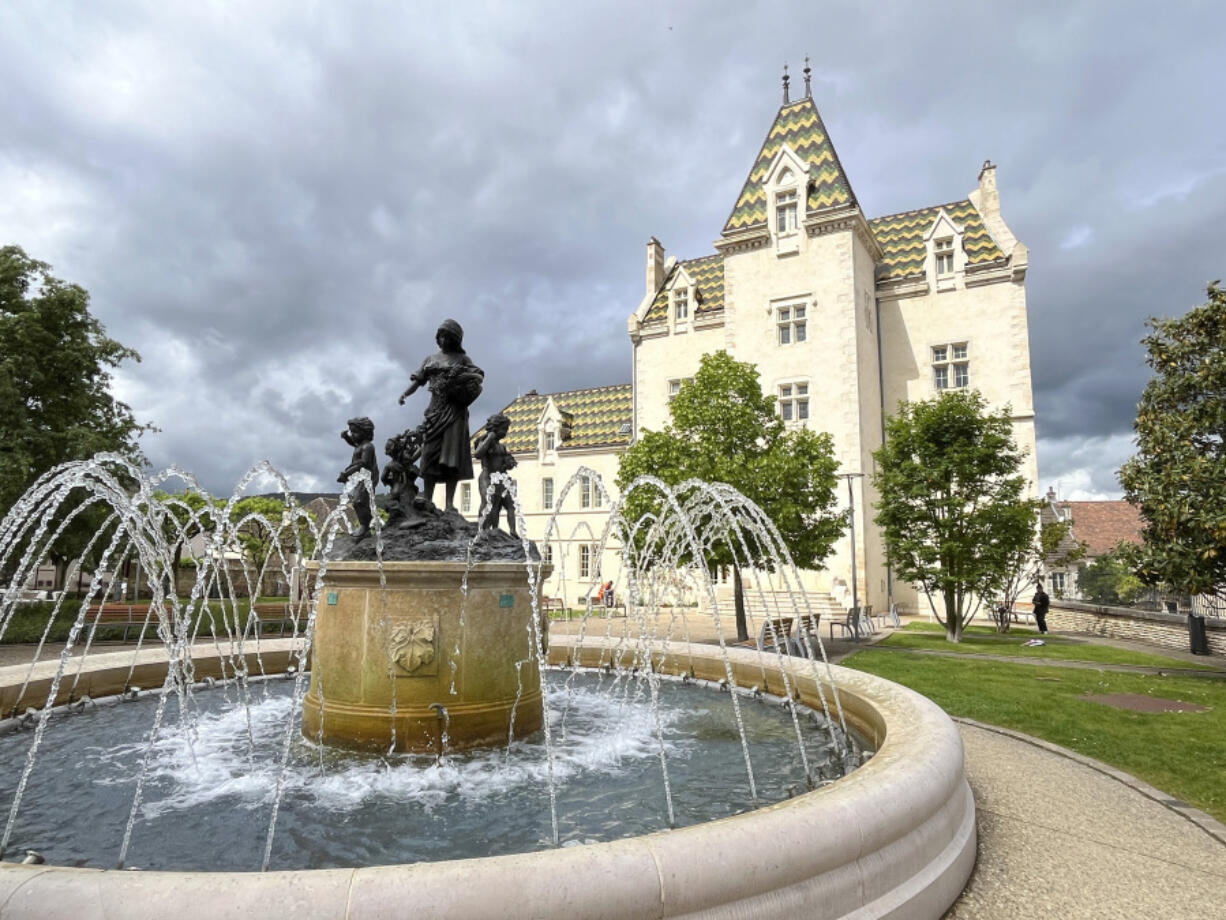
(360, 435)
(400, 475)
(454, 383)
(495, 458)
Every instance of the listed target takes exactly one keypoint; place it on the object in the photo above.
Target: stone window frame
(681, 304)
(547, 496)
(585, 560)
(466, 497)
(675, 384)
(791, 323)
(793, 403)
(951, 365)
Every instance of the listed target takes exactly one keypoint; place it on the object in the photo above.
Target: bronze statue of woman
(454, 383)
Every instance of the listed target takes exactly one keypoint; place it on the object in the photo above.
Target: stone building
(844, 315)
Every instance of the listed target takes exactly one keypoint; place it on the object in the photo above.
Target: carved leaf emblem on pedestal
(412, 644)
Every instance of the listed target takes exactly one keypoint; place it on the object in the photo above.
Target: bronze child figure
(495, 458)
(360, 436)
(454, 383)
(400, 474)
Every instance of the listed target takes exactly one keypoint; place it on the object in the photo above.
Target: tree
(725, 429)
(951, 502)
(268, 527)
(1109, 579)
(55, 401)
(1054, 547)
(1177, 477)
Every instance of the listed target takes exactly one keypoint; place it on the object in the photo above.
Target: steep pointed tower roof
(798, 125)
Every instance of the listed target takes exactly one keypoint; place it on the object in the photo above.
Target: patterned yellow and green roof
(599, 417)
(901, 237)
(708, 275)
(799, 126)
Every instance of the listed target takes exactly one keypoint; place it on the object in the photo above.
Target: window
(551, 441)
(547, 493)
(792, 323)
(943, 249)
(547, 554)
(585, 560)
(466, 497)
(794, 401)
(681, 304)
(585, 492)
(785, 211)
(946, 374)
(1057, 583)
(674, 387)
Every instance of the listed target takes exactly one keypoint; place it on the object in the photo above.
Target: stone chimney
(989, 198)
(655, 266)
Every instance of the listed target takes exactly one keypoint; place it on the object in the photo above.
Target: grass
(1181, 753)
(984, 640)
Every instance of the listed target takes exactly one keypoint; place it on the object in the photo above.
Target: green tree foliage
(952, 505)
(270, 532)
(1053, 548)
(55, 400)
(1110, 580)
(1178, 477)
(725, 429)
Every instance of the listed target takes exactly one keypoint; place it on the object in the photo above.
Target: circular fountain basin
(896, 838)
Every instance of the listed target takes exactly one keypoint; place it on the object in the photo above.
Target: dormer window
(681, 305)
(785, 211)
(943, 250)
(551, 441)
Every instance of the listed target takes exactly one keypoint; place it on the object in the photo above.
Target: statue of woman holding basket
(454, 383)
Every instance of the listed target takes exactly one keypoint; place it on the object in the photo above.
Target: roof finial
(785, 83)
(808, 89)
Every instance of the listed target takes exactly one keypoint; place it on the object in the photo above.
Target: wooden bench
(275, 614)
(125, 616)
(552, 603)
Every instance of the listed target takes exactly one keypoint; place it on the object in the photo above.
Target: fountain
(429, 659)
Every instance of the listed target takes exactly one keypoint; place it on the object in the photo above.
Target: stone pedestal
(418, 655)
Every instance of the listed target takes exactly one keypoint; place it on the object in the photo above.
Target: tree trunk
(953, 622)
(742, 627)
(61, 572)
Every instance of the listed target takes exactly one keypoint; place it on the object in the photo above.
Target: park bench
(127, 617)
(552, 603)
(275, 614)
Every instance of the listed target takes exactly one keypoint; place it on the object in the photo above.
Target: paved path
(1064, 836)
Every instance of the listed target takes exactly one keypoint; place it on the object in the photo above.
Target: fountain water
(213, 634)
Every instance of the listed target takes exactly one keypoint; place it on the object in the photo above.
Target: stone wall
(1164, 629)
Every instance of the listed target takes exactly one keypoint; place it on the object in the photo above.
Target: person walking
(1041, 604)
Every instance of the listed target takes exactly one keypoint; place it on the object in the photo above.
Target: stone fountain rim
(896, 835)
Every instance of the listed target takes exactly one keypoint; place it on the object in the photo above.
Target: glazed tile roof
(708, 275)
(901, 237)
(800, 126)
(599, 417)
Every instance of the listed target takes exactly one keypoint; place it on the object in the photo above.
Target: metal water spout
(444, 720)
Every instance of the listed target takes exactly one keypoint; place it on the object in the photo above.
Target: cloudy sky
(276, 202)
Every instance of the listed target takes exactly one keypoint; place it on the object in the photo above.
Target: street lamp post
(851, 521)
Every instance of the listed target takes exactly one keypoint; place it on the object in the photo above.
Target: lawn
(1182, 753)
(984, 640)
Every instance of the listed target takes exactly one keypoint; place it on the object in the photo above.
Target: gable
(596, 415)
(708, 276)
(800, 127)
(902, 238)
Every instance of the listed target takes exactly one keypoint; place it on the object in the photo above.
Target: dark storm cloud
(277, 208)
